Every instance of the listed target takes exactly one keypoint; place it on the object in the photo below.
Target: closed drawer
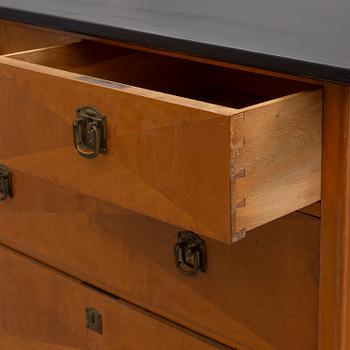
(41, 305)
(210, 149)
(256, 294)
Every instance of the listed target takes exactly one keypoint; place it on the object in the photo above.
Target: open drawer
(214, 150)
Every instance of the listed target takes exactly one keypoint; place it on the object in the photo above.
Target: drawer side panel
(276, 159)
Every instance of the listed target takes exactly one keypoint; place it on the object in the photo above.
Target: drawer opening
(200, 81)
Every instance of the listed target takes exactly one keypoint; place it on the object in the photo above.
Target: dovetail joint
(237, 236)
(241, 204)
(240, 173)
(237, 146)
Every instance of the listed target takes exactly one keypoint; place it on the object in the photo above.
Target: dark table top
(302, 37)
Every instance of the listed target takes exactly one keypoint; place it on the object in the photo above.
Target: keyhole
(93, 320)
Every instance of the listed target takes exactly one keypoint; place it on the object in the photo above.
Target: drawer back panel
(16, 37)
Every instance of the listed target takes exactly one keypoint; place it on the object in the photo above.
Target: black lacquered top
(302, 37)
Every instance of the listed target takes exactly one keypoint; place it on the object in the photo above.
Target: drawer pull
(190, 254)
(93, 320)
(89, 132)
(5, 183)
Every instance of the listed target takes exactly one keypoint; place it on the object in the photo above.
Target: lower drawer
(44, 306)
(260, 292)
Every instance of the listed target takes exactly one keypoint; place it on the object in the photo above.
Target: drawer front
(41, 305)
(161, 157)
(215, 170)
(253, 293)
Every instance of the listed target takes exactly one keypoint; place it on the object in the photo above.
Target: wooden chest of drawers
(111, 151)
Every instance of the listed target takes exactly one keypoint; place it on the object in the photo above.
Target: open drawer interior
(203, 82)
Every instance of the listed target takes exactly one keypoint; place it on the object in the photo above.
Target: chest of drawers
(114, 156)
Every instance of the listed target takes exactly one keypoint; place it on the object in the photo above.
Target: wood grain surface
(252, 294)
(65, 216)
(169, 156)
(334, 283)
(276, 159)
(15, 38)
(162, 155)
(45, 306)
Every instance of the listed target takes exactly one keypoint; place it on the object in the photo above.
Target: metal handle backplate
(90, 132)
(190, 254)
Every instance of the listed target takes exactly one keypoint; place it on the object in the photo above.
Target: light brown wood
(248, 298)
(15, 37)
(276, 159)
(42, 305)
(169, 156)
(334, 331)
(17, 343)
(163, 152)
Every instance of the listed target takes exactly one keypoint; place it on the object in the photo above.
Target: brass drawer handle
(190, 254)
(5, 183)
(90, 132)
